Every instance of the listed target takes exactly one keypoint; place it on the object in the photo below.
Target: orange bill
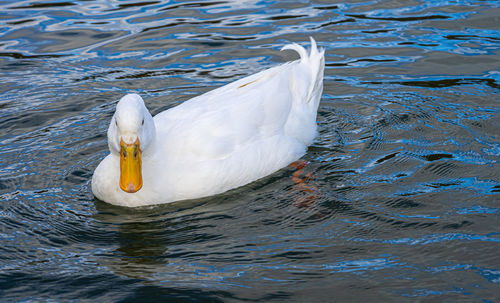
(130, 167)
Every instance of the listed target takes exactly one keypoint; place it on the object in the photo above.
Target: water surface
(405, 170)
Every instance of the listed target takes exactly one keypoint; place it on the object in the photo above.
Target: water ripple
(403, 198)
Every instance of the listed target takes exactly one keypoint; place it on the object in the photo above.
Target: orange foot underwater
(308, 197)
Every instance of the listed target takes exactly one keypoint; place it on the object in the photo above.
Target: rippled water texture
(406, 176)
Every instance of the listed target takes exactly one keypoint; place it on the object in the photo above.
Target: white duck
(209, 144)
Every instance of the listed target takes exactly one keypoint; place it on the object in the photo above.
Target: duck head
(130, 134)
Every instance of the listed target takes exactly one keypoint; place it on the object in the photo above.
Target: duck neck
(149, 152)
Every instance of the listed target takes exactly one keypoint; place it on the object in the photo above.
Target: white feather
(222, 139)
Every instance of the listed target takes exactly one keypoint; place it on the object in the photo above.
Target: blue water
(405, 171)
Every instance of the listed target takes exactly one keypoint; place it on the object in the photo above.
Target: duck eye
(116, 123)
(142, 123)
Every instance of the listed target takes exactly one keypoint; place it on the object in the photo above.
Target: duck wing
(280, 102)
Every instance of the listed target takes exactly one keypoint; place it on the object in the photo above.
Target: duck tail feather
(314, 61)
(315, 53)
(299, 49)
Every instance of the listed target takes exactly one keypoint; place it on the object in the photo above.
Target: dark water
(405, 200)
